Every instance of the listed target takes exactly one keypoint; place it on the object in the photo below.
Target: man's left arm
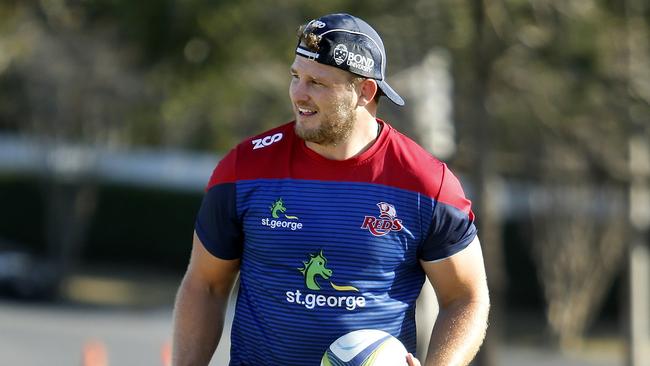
(461, 288)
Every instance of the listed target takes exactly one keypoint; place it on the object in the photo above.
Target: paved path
(51, 335)
(131, 316)
(36, 335)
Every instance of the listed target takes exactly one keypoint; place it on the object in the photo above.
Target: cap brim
(390, 93)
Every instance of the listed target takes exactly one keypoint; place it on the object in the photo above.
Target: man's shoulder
(258, 153)
(413, 167)
(253, 158)
(277, 137)
(411, 154)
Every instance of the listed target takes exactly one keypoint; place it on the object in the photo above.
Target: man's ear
(367, 91)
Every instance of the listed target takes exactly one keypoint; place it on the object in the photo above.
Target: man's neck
(365, 133)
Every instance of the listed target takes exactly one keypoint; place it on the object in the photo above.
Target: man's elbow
(478, 299)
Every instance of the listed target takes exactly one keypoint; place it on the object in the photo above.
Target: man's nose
(298, 91)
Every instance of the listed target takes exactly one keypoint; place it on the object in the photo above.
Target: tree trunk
(486, 192)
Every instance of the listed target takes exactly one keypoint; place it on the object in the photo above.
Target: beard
(335, 126)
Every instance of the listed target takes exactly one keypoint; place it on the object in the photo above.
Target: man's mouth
(306, 112)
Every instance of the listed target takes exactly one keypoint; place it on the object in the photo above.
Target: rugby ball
(365, 347)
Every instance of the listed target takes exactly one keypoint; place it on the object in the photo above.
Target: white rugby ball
(365, 347)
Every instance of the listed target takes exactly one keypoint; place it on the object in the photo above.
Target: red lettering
(381, 227)
(368, 222)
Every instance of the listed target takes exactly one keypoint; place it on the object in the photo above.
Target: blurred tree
(544, 92)
(481, 46)
(78, 87)
(558, 91)
(637, 319)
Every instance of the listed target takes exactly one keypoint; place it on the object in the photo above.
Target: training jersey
(326, 246)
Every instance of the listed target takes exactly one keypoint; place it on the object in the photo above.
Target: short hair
(306, 36)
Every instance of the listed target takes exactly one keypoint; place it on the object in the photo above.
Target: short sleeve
(452, 223)
(217, 224)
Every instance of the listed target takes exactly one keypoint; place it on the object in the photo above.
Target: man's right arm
(201, 305)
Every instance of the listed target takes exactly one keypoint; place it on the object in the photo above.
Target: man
(332, 222)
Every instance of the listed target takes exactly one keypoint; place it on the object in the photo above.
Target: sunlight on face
(323, 100)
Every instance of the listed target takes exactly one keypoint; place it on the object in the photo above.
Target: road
(131, 319)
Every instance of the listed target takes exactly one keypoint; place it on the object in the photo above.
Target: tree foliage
(561, 85)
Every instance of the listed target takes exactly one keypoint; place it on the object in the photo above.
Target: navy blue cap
(348, 43)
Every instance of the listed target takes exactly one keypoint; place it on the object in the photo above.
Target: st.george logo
(313, 269)
(266, 141)
(315, 266)
(278, 208)
(385, 223)
(279, 219)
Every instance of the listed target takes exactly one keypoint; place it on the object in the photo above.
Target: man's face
(323, 100)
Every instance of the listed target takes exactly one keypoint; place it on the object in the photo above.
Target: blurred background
(113, 114)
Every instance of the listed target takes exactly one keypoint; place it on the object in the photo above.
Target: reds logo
(385, 223)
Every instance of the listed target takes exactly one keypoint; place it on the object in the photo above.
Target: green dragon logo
(316, 266)
(278, 207)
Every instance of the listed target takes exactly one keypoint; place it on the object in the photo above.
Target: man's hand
(412, 361)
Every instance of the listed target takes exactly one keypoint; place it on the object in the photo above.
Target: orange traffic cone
(166, 354)
(94, 354)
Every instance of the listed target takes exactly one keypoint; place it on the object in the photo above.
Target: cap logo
(340, 53)
(348, 43)
(318, 24)
(360, 62)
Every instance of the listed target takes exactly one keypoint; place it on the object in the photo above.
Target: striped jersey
(328, 247)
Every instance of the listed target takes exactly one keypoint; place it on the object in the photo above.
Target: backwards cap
(348, 43)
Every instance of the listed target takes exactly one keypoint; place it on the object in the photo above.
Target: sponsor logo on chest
(266, 141)
(279, 218)
(383, 224)
(315, 269)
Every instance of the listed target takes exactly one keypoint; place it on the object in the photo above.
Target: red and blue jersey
(328, 247)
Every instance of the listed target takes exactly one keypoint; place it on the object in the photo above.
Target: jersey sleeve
(452, 224)
(217, 224)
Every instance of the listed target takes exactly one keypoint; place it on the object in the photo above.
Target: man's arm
(461, 288)
(201, 305)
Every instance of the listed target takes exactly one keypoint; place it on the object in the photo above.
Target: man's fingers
(412, 361)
